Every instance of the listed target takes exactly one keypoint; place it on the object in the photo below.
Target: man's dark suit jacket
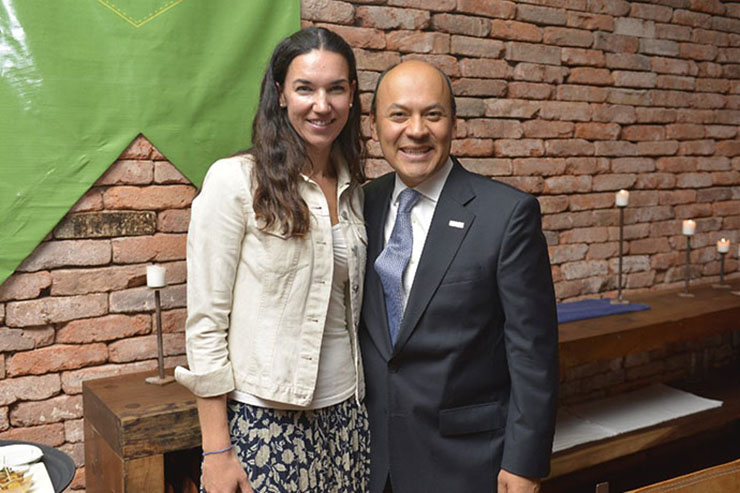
(471, 385)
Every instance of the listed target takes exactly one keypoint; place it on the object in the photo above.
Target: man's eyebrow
(435, 106)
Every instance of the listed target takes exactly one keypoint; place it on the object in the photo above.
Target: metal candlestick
(685, 292)
(160, 379)
(721, 284)
(619, 300)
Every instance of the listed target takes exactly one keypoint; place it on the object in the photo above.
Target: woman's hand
(223, 473)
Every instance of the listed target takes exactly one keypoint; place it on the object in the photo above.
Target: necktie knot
(407, 199)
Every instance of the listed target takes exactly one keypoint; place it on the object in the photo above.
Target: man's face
(413, 121)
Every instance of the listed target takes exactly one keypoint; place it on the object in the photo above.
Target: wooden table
(129, 426)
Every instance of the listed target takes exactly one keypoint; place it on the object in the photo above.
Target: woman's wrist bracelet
(218, 451)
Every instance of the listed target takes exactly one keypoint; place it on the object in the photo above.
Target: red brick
(568, 184)
(673, 31)
(588, 268)
(328, 11)
(529, 90)
(569, 147)
(655, 181)
(675, 82)
(684, 131)
(128, 172)
(669, 98)
(697, 147)
(160, 247)
(730, 208)
(546, 129)
(106, 328)
(447, 64)
(31, 388)
(627, 61)
(677, 164)
(615, 43)
(4, 422)
(568, 220)
(519, 147)
(375, 60)
(173, 320)
(559, 110)
(713, 85)
(709, 37)
(173, 221)
(437, 5)
(529, 184)
(590, 201)
(633, 165)
(649, 246)
(461, 24)
(586, 166)
(692, 211)
(613, 182)
(14, 340)
(540, 73)
(698, 51)
(726, 178)
(72, 380)
(145, 347)
(472, 147)
(41, 336)
(677, 197)
(674, 66)
(511, 108)
(666, 148)
(90, 202)
(142, 299)
(688, 18)
(477, 47)
(586, 75)
(655, 115)
(78, 482)
(73, 430)
(359, 37)
(488, 166)
(694, 180)
(56, 253)
(51, 410)
(613, 113)
(708, 100)
(55, 358)
(539, 167)
(469, 108)
(637, 133)
(728, 148)
(476, 67)
(488, 128)
(155, 197)
(500, 9)
(391, 18)
(540, 15)
(579, 56)
(584, 235)
(630, 26)
(568, 37)
(634, 79)
(24, 286)
(550, 205)
(613, 7)
(567, 253)
(84, 281)
(140, 148)
(166, 173)
(534, 53)
(418, 42)
(615, 148)
(727, 117)
(597, 131)
(51, 435)
(708, 6)
(597, 22)
(76, 451)
(629, 97)
(655, 12)
(54, 309)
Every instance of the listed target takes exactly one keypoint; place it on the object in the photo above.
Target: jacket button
(393, 367)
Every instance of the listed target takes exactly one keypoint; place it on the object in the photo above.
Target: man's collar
(431, 188)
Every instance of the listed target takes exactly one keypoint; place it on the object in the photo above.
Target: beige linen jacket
(257, 301)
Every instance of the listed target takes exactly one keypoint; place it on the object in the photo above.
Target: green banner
(80, 79)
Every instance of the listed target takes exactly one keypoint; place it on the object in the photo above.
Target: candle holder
(619, 300)
(722, 284)
(161, 378)
(685, 293)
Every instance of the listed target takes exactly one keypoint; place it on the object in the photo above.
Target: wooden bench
(722, 478)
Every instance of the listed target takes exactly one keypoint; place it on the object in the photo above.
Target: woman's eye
(302, 89)
(337, 89)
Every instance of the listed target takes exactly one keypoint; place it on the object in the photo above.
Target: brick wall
(571, 100)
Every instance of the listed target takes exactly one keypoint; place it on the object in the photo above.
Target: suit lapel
(450, 223)
(376, 211)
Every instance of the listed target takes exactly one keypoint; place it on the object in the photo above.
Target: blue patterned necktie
(392, 261)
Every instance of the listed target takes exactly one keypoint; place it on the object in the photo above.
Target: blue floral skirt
(323, 450)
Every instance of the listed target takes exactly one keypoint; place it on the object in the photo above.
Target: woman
(276, 255)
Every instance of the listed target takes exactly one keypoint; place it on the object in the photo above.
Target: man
(459, 335)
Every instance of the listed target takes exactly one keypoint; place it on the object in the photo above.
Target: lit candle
(689, 227)
(623, 198)
(723, 245)
(155, 276)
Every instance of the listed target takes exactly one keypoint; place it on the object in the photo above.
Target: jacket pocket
(471, 419)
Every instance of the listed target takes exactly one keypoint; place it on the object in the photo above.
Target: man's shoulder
(489, 188)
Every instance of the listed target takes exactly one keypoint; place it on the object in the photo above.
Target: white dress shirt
(421, 218)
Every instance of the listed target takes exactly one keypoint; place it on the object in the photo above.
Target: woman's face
(317, 95)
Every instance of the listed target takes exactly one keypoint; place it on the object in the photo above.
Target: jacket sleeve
(531, 338)
(215, 235)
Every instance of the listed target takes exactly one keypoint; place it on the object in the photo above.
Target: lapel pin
(456, 224)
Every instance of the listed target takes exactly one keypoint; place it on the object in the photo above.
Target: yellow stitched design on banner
(141, 20)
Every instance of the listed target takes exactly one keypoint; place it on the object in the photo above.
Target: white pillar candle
(689, 227)
(155, 276)
(723, 245)
(623, 198)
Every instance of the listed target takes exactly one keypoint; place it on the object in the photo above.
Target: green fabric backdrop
(80, 79)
